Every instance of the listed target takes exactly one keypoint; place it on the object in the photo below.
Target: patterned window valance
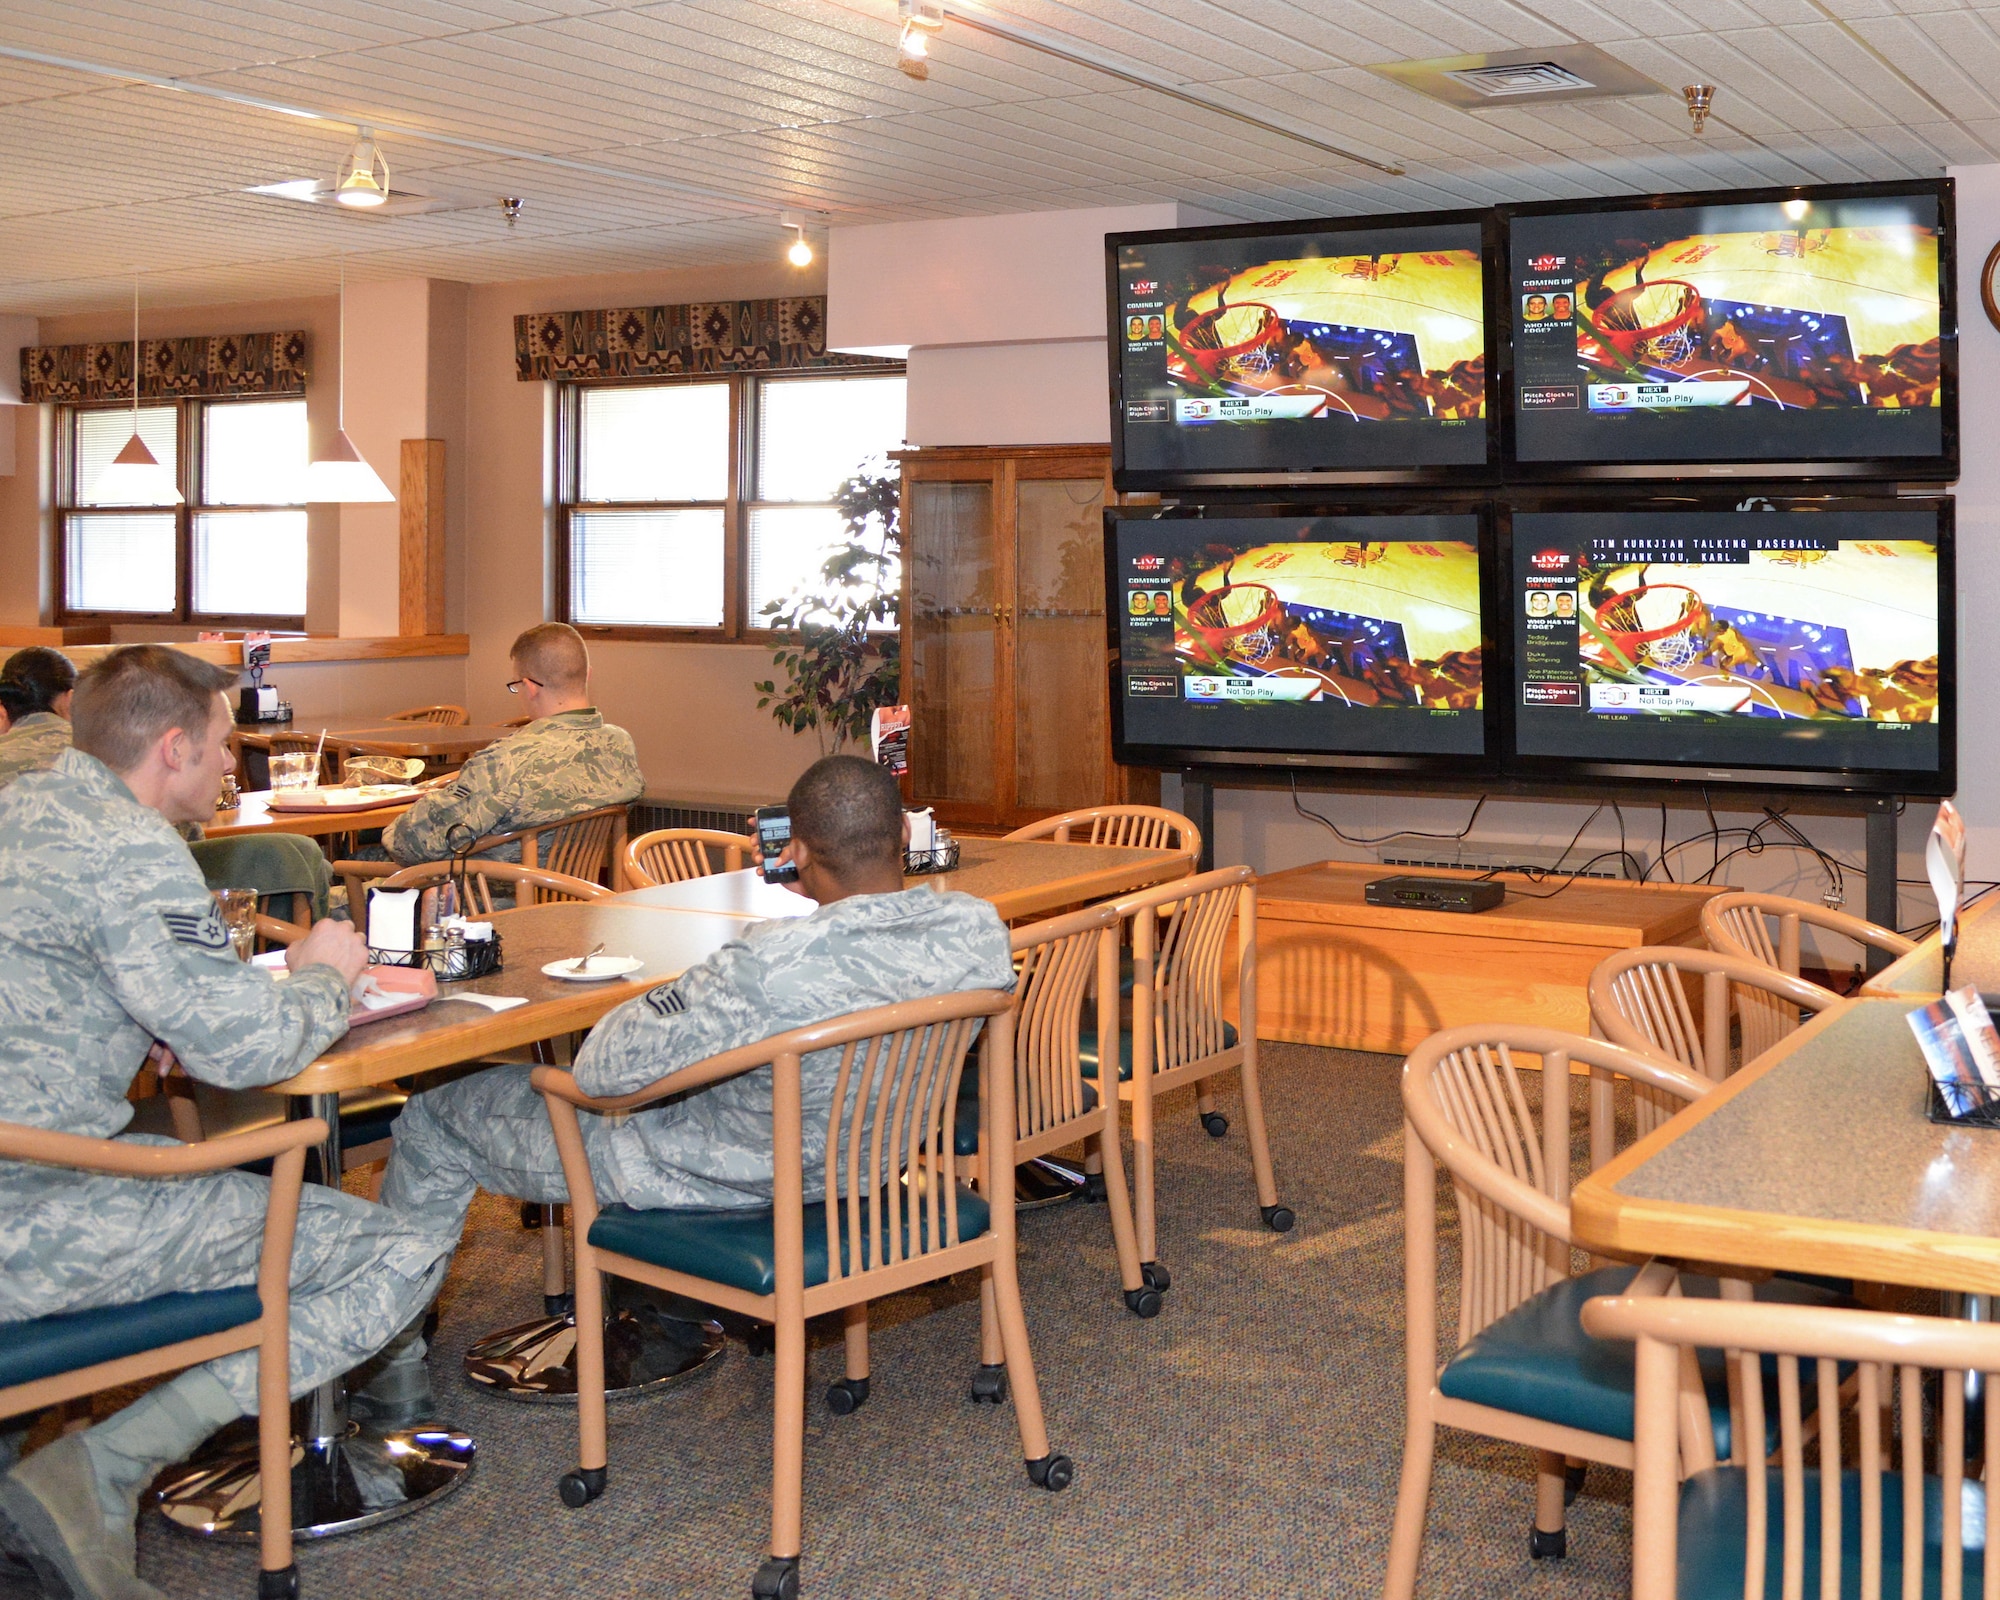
(664, 341)
(170, 369)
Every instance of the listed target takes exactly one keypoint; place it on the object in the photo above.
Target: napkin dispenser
(392, 919)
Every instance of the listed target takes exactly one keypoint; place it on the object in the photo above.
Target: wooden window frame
(189, 442)
(741, 500)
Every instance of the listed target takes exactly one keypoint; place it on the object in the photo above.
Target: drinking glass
(238, 910)
(294, 769)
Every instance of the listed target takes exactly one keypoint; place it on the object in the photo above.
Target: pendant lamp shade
(135, 478)
(341, 476)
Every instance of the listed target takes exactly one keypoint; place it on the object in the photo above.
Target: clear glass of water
(294, 769)
(238, 910)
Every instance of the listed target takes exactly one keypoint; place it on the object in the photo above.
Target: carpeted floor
(1244, 1443)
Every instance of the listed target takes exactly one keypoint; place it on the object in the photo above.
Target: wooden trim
(420, 565)
(229, 652)
(1516, 1428)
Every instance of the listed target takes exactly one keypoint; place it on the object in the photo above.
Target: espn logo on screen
(1553, 694)
(1561, 397)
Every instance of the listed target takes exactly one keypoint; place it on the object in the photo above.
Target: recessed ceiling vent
(1530, 77)
(1504, 78)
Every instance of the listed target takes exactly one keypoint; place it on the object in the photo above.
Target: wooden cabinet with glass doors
(1005, 656)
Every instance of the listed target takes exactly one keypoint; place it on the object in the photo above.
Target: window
(234, 552)
(681, 495)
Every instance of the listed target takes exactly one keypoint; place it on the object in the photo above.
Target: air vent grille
(1527, 77)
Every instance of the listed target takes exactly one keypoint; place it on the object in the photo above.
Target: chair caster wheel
(1573, 1481)
(989, 1386)
(1548, 1546)
(1278, 1219)
(1052, 1472)
(845, 1396)
(1214, 1123)
(531, 1215)
(280, 1585)
(1093, 1188)
(582, 1486)
(1144, 1303)
(558, 1305)
(1155, 1276)
(761, 1339)
(777, 1579)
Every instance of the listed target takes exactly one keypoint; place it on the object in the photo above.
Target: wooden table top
(1021, 877)
(1818, 1158)
(1590, 911)
(1977, 962)
(415, 738)
(253, 814)
(447, 1031)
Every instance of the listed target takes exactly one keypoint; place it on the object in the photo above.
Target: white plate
(595, 970)
(364, 798)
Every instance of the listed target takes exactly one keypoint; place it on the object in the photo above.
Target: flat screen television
(1772, 643)
(1795, 332)
(1309, 638)
(1352, 350)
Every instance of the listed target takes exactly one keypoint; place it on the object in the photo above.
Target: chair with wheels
(437, 716)
(1135, 827)
(47, 1360)
(1708, 1531)
(897, 1212)
(1523, 1370)
(1184, 935)
(1639, 999)
(1765, 928)
(480, 876)
(673, 855)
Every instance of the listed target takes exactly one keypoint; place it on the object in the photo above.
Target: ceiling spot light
(921, 19)
(510, 208)
(1797, 209)
(135, 476)
(363, 178)
(800, 253)
(1698, 96)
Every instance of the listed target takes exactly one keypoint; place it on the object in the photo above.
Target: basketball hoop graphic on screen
(1654, 324)
(1239, 621)
(1665, 624)
(1234, 341)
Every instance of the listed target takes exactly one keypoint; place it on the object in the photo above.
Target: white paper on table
(369, 994)
(492, 1002)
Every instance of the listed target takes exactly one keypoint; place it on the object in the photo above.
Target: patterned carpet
(1244, 1443)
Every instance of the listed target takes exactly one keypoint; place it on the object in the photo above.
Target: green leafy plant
(833, 672)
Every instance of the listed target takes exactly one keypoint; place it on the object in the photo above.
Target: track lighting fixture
(363, 178)
(921, 19)
(800, 252)
(1698, 96)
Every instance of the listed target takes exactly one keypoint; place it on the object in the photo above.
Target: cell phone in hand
(774, 832)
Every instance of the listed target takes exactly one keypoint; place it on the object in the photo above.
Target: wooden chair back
(1907, 1371)
(1765, 928)
(480, 876)
(1639, 998)
(1134, 827)
(673, 855)
(1467, 1110)
(589, 845)
(439, 716)
(283, 1144)
(1057, 965)
(1180, 945)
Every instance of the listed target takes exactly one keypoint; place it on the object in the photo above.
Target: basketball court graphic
(1360, 624)
(1368, 338)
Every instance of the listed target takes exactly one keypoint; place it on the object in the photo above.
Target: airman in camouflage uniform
(32, 743)
(553, 768)
(713, 1148)
(109, 940)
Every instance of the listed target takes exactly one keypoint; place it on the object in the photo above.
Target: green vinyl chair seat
(738, 1247)
(45, 1347)
(965, 1120)
(1537, 1361)
(1087, 1047)
(1714, 1535)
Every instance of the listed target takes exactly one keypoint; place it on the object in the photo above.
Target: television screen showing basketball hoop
(1342, 350)
(1812, 329)
(1337, 636)
(1811, 638)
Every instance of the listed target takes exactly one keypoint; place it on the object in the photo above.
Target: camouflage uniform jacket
(109, 940)
(553, 768)
(32, 744)
(713, 1148)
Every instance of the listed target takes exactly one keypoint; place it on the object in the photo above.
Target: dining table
(349, 1477)
(1819, 1158)
(1976, 960)
(254, 813)
(451, 742)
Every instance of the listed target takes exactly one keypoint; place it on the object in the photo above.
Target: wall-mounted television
(1308, 638)
(1795, 332)
(1773, 642)
(1302, 353)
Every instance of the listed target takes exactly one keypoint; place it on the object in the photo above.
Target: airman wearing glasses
(567, 760)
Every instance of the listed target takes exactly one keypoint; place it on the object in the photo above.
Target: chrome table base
(1041, 1183)
(642, 1355)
